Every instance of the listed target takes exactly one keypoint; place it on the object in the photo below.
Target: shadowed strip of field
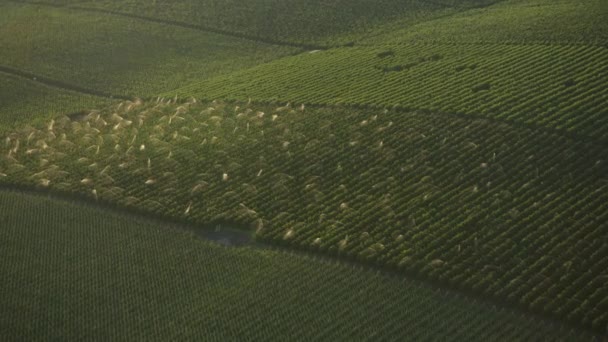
(60, 84)
(180, 24)
(245, 243)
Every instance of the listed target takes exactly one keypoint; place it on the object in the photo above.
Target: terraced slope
(64, 262)
(505, 212)
(25, 101)
(316, 22)
(119, 55)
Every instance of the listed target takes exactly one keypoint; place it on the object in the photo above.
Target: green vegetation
(550, 86)
(454, 65)
(512, 22)
(73, 272)
(462, 143)
(503, 212)
(321, 22)
(26, 101)
(119, 55)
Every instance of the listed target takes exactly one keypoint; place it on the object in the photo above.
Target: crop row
(508, 213)
(91, 268)
(512, 22)
(293, 21)
(92, 50)
(23, 100)
(558, 87)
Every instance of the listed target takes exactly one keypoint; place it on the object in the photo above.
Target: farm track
(179, 24)
(531, 127)
(147, 217)
(60, 84)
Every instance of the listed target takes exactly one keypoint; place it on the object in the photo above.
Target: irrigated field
(558, 87)
(462, 143)
(73, 272)
(504, 212)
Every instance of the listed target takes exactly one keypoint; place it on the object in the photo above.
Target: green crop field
(73, 271)
(549, 86)
(546, 22)
(459, 145)
(506, 212)
(26, 101)
(119, 55)
(306, 22)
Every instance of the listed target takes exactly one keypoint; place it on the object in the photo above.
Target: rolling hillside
(557, 87)
(58, 53)
(463, 144)
(27, 101)
(545, 22)
(63, 263)
(502, 211)
(308, 23)
(119, 55)
(532, 83)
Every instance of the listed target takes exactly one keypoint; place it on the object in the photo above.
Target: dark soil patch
(396, 68)
(464, 67)
(432, 58)
(570, 83)
(482, 87)
(77, 116)
(384, 54)
(227, 234)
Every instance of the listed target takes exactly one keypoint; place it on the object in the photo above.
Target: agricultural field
(451, 156)
(64, 262)
(292, 22)
(556, 87)
(25, 101)
(119, 55)
(508, 213)
(511, 22)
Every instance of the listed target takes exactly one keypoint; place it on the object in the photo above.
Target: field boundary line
(464, 43)
(185, 225)
(181, 24)
(59, 84)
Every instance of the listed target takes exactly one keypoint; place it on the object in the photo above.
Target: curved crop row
(328, 23)
(512, 22)
(23, 100)
(557, 87)
(512, 214)
(115, 55)
(84, 256)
